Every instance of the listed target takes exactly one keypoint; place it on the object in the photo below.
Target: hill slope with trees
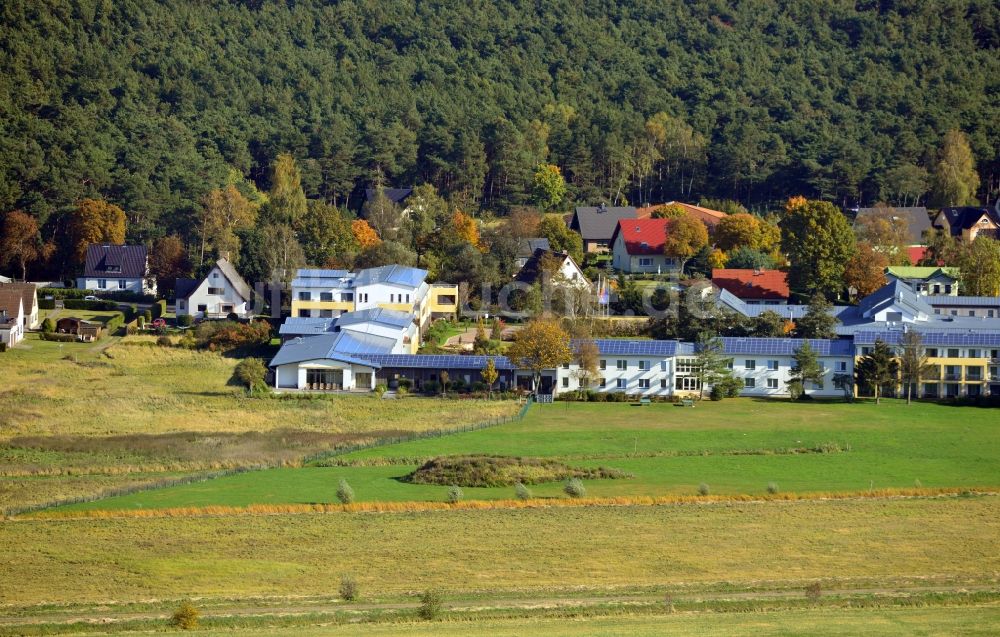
(151, 105)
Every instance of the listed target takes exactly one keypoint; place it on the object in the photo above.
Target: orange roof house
(754, 286)
(706, 215)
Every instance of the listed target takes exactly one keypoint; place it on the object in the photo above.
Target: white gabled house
(220, 293)
(116, 268)
(12, 317)
(29, 299)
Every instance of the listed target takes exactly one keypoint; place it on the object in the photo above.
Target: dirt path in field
(107, 615)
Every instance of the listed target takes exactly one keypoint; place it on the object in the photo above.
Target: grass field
(736, 447)
(494, 552)
(972, 622)
(73, 415)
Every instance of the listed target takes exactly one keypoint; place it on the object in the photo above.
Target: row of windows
(328, 296)
(394, 298)
(950, 352)
(102, 284)
(690, 365)
(987, 313)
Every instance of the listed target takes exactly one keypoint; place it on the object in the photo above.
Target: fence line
(222, 473)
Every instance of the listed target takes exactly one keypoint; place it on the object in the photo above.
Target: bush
(58, 338)
(46, 304)
(344, 492)
(48, 326)
(405, 383)
(522, 492)
(430, 605)
(499, 471)
(159, 308)
(3, 347)
(184, 320)
(116, 321)
(575, 489)
(455, 494)
(349, 588)
(813, 591)
(731, 386)
(432, 387)
(251, 373)
(703, 489)
(228, 335)
(140, 322)
(164, 341)
(148, 315)
(717, 393)
(772, 487)
(381, 389)
(185, 617)
(232, 316)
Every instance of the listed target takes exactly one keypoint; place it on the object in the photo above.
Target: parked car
(91, 297)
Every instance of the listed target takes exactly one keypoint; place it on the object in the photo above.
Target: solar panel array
(437, 361)
(964, 301)
(616, 347)
(785, 346)
(980, 339)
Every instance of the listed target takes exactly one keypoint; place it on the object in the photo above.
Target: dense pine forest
(151, 105)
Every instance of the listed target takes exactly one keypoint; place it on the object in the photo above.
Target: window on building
(663, 365)
(604, 382)
(750, 364)
(953, 353)
(202, 308)
(645, 261)
(326, 313)
(622, 364)
(989, 313)
(772, 365)
(215, 275)
(931, 352)
(643, 366)
(663, 383)
(326, 296)
(772, 383)
(749, 383)
(687, 365)
(565, 381)
(565, 366)
(347, 296)
(305, 313)
(216, 291)
(973, 353)
(865, 351)
(305, 296)
(643, 383)
(972, 312)
(937, 288)
(688, 383)
(121, 284)
(818, 385)
(729, 364)
(604, 364)
(841, 366)
(621, 383)
(102, 283)
(407, 298)
(947, 288)
(954, 312)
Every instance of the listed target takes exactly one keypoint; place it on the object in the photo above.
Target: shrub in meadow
(349, 590)
(455, 494)
(703, 489)
(185, 617)
(522, 492)
(344, 492)
(430, 605)
(772, 487)
(574, 488)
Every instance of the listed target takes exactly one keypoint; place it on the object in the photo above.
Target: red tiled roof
(752, 284)
(642, 236)
(916, 254)
(706, 215)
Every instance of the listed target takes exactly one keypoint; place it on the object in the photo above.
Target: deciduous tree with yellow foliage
(95, 221)
(364, 234)
(542, 344)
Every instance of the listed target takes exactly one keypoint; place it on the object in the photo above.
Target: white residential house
(637, 247)
(29, 299)
(115, 268)
(329, 362)
(12, 317)
(220, 293)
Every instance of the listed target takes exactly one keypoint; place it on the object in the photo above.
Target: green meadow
(735, 447)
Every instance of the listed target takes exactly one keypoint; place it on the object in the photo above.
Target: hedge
(46, 304)
(97, 306)
(124, 296)
(159, 308)
(116, 321)
(59, 338)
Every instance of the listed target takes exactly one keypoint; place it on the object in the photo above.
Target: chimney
(602, 208)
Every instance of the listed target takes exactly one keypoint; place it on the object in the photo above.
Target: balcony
(952, 377)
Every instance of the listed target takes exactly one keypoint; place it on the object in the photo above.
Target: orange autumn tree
(542, 344)
(364, 234)
(465, 228)
(19, 244)
(95, 221)
(865, 271)
(685, 237)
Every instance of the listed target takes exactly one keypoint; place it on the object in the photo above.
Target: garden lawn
(735, 447)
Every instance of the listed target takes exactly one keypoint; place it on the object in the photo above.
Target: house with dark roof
(114, 268)
(754, 287)
(397, 196)
(220, 293)
(596, 224)
(968, 222)
(527, 247)
(707, 216)
(559, 266)
(29, 299)
(637, 246)
(916, 220)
